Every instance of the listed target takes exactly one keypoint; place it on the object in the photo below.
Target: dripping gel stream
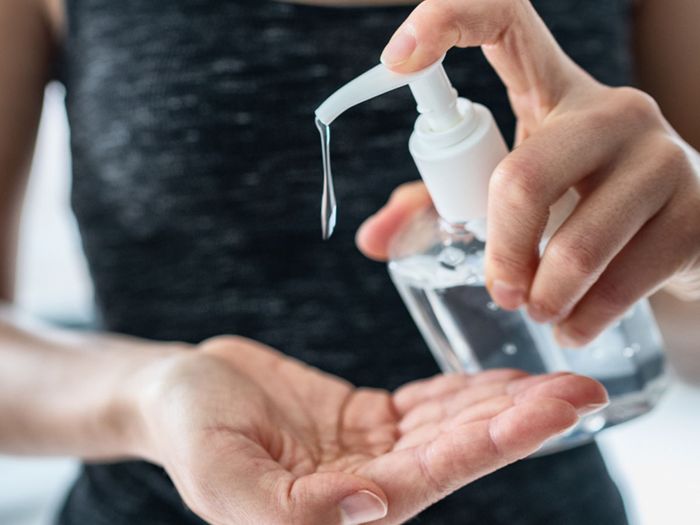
(329, 205)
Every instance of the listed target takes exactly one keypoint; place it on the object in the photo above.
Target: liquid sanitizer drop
(437, 260)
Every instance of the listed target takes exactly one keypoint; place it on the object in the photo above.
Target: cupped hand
(250, 436)
(637, 225)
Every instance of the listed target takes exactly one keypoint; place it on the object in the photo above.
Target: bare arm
(57, 394)
(65, 393)
(25, 40)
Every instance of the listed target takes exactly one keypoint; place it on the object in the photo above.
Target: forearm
(66, 393)
(27, 51)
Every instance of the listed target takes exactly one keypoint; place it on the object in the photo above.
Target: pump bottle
(437, 260)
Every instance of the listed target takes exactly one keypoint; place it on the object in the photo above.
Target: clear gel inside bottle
(438, 269)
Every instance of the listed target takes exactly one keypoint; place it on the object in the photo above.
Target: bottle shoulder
(429, 252)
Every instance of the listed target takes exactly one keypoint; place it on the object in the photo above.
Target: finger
(586, 243)
(416, 477)
(430, 430)
(523, 188)
(409, 396)
(368, 423)
(478, 388)
(584, 394)
(515, 387)
(376, 232)
(245, 485)
(661, 249)
(516, 41)
(509, 436)
(443, 408)
(335, 497)
(577, 390)
(412, 394)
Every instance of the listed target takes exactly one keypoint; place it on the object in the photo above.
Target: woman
(195, 187)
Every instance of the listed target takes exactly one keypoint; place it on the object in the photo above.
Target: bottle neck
(474, 227)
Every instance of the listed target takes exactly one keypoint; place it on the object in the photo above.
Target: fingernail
(362, 507)
(542, 315)
(592, 408)
(507, 295)
(400, 47)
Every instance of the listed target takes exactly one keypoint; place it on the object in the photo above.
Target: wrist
(129, 412)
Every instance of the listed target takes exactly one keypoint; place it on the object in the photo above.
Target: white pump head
(431, 88)
(456, 144)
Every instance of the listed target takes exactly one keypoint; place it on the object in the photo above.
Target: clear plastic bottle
(437, 268)
(437, 261)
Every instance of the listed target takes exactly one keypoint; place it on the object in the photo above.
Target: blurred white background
(655, 460)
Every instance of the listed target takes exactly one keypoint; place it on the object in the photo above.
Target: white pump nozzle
(436, 98)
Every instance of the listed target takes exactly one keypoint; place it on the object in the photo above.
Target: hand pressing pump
(437, 261)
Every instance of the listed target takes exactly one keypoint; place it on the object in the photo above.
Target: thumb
(333, 497)
(375, 234)
(514, 38)
(253, 488)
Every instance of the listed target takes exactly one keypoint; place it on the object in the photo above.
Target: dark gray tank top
(196, 184)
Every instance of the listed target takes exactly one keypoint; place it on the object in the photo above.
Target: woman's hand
(637, 225)
(250, 436)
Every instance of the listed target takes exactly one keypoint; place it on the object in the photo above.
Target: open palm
(266, 439)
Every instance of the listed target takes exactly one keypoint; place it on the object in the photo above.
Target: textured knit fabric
(196, 187)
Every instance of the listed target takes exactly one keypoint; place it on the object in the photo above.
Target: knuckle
(668, 168)
(435, 483)
(575, 256)
(223, 341)
(509, 263)
(548, 304)
(518, 182)
(440, 14)
(672, 157)
(611, 298)
(598, 118)
(506, 14)
(637, 105)
(688, 225)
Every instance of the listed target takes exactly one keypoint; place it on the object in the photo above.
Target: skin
(247, 434)
(250, 436)
(637, 226)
